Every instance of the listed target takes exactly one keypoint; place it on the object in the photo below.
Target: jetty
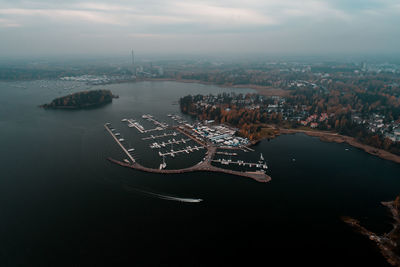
(119, 143)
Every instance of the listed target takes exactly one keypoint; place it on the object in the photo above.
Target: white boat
(124, 120)
(127, 161)
(117, 134)
(121, 139)
(131, 149)
(163, 165)
(261, 158)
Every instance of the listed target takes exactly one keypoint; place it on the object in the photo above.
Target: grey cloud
(199, 26)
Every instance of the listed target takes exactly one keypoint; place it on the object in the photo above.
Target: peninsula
(80, 100)
(258, 117)
(388, 243)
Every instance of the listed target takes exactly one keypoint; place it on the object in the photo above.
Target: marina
(201, 143)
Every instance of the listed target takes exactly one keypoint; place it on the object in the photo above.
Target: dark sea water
(63, 204)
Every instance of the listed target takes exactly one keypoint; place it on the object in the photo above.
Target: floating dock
(226, 153)
(185, 150)
(135, 124)
(170, 142)
(240, 163)
(160, 136)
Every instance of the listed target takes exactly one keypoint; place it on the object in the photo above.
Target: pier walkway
(119, 143)
(226, 153)
(186, 150)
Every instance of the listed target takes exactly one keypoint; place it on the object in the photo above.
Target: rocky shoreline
(388, 243)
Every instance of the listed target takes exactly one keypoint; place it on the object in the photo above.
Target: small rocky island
(80, 100)
(388, 243)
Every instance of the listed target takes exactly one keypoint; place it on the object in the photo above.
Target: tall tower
(133, 64)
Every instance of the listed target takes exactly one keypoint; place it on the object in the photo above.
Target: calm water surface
(63, 204)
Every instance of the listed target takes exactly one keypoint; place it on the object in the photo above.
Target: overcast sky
(200, 27)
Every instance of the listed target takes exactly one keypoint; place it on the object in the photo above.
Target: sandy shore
(337, 138)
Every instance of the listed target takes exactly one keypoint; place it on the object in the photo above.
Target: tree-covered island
(79, 100)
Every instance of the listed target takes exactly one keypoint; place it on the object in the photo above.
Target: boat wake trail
(164, 197)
